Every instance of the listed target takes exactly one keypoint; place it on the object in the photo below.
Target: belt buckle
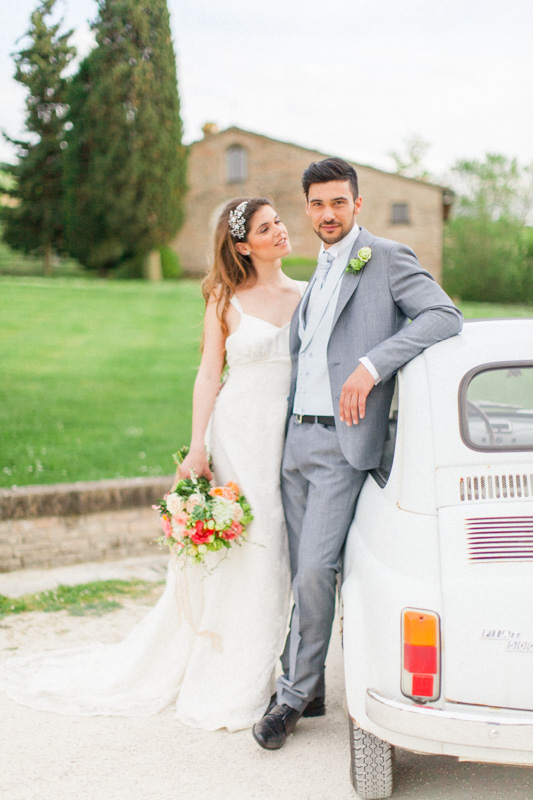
(299, 418)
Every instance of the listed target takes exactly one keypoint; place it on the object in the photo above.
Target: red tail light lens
(421, 654)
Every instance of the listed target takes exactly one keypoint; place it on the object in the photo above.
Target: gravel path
(51, 757)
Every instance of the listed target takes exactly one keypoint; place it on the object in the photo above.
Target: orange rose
(227, 492)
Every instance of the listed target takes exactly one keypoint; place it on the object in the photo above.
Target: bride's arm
(206, 388)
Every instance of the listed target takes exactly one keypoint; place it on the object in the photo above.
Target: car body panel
(448, 533)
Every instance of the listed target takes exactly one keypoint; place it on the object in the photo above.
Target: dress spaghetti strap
(236, 304)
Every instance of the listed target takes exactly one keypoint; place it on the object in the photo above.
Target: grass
(493, 310)
(96, 377)
(298, 267)
(95, 598)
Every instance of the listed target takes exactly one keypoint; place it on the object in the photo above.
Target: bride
(212, 641)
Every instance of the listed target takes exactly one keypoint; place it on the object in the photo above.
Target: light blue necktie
(325, 260)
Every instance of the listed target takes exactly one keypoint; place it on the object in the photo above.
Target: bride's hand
(196, 461)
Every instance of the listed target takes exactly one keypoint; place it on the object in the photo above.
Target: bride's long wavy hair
(230, 269)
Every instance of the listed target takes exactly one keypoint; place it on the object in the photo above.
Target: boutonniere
(355, 265)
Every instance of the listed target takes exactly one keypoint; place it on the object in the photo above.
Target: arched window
(236, 164)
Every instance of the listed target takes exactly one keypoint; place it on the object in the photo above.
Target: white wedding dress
(212, 642)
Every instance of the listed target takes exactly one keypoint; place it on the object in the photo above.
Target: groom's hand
(352, 403)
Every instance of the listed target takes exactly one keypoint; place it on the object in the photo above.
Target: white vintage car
(438, 570)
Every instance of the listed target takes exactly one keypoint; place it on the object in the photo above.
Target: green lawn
(96, 377)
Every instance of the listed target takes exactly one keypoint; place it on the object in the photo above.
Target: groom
(349, 336)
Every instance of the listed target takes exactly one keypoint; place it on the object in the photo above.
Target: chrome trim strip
(495, 728)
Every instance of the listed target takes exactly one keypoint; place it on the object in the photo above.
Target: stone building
(235, 162)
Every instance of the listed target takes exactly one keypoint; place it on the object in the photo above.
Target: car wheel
(372, 762)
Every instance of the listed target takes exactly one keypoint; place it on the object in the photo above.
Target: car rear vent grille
(496, 487)
(500, 538)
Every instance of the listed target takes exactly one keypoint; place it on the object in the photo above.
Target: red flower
(201, 534)
(232, 532)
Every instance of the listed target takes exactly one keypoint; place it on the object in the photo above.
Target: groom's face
(332, 210)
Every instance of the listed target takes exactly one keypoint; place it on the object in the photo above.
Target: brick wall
(49, 526)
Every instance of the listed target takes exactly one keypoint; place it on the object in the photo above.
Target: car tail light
(421, 654)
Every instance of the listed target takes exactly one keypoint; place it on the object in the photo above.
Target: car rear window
(496, 407)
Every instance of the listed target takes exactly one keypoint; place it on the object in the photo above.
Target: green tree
(125, 163)
(488, 249)
(495, 188)
(409, 161)
(34, 222)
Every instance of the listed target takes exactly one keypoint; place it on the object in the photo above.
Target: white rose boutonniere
(355, 265)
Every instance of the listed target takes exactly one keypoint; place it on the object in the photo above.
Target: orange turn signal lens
(420, 655)
(419, 628)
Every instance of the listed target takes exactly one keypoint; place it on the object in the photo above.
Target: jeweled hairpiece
(236, 221)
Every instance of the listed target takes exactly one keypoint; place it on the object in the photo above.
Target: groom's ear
(358, 204)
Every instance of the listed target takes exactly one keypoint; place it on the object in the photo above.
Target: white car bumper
(456, 724)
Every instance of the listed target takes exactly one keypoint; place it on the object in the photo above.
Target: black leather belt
(308, 418)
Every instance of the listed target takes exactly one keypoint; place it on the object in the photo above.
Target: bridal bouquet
(197, 517)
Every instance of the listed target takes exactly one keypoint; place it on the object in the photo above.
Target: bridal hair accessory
(355, 265)
(197, 517)
(236, 221)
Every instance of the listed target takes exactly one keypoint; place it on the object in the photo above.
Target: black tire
(372, 764)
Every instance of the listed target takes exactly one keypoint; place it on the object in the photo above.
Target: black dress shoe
(316, 708)
(272, 730)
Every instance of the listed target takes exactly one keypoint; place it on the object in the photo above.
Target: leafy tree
(488, 250)
(409, 161)
(494, 189)
(125, 164)
(33, 222)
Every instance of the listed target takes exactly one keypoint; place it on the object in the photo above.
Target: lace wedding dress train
(212, 642)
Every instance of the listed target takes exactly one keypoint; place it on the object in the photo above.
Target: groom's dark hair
(330, 169)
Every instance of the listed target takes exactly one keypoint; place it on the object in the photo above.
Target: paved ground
(29, 581)
(51, 757)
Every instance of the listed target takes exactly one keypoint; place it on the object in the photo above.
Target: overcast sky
(348, 78)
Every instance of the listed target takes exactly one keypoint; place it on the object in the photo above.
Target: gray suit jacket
(371, 319)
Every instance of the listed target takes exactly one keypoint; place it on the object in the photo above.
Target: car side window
(382, 473)
(496, 407)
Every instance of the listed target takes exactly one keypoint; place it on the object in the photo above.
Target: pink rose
(179, 524)
(194, 500)
(167, 527)
(232, 532)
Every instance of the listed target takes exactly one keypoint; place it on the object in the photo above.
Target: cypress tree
(125, 164)
(34, 223)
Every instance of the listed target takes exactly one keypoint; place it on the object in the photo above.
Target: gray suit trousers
(319, 491)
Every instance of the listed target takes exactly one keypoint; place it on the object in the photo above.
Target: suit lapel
(350, 281)
(304, 302)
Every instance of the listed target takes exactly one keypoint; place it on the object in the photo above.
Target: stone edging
(66, 499)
